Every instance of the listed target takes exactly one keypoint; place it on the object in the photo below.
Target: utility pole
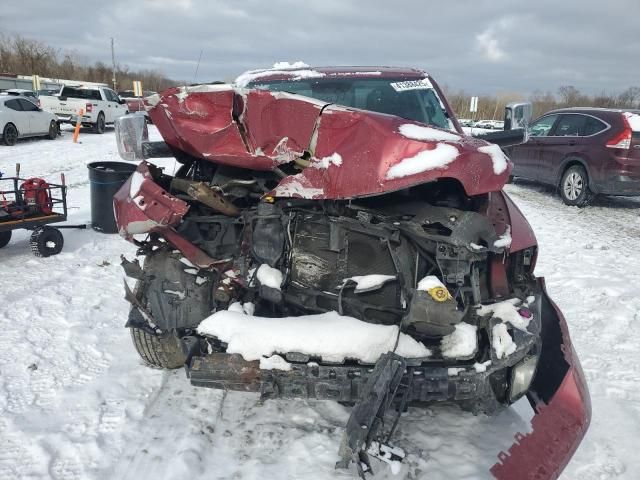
(113, 60)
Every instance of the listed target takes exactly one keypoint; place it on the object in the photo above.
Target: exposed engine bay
(431, 257)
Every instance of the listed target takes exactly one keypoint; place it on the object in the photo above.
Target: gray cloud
(480, 46)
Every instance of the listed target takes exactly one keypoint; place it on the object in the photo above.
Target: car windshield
(413, 100)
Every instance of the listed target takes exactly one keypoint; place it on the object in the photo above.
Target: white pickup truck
(100, 105)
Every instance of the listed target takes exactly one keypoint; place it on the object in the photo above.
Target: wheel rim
(573, 185)
(11, 134)
(101, 123)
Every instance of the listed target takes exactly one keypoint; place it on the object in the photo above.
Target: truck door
(114, 109)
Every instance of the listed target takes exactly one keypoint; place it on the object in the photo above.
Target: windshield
(413, 100)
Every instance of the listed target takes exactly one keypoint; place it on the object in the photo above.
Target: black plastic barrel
(105, 179)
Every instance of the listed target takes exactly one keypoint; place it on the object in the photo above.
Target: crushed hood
(345, 152)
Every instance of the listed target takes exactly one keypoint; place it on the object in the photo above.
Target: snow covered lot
(77, 403)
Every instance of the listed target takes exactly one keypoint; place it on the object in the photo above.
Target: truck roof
(332, 71)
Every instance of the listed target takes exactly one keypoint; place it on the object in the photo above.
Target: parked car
(21, 118)
(329, 197)
(486, 124)
(20, 92)
(582, 152)
(101, 106)
(466, 122)
(136, 104)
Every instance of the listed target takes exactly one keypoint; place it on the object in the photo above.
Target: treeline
(24, 56)
(491, 107)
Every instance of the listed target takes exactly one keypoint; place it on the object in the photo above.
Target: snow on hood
(329, 335)
(324, 162)
(438, 157)
(498, 158)
(417, 132)
(185, 91)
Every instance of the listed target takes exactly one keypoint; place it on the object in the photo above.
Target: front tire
(157, 351)
(46, 241)
(5, 238)
(53, 130)
(574, 187)
(99, 126)
(10, 134)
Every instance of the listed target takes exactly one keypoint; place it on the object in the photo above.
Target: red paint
(277, 127)
(558, 427)
(261, 131)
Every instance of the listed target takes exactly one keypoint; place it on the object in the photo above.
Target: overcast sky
(480, 46)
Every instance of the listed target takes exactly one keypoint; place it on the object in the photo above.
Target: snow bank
(269, 276)
(329, 335)
(366, 283)
(498, 158)
(463, 342)
(439, 157)
(501, 341)
(417, 132)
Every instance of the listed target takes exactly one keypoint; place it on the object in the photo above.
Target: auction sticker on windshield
(421, 84)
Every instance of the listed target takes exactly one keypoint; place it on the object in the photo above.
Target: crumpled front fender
(142, 206)
(560, 399)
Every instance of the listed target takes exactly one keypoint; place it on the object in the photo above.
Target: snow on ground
(77, 403)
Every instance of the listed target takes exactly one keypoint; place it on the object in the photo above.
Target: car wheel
(5, 237)
(574, 187)
(99, 125)
(157, 351)
(10, 134)
(46, 241)
(53, 130)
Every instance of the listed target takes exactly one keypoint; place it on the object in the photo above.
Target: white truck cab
(100, 105)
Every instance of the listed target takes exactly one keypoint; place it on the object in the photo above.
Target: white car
(21, 118)
(21, 92)
(100, 106)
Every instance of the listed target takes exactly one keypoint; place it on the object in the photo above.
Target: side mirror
(122, 101)
(131, 132)
(517, 115)
(63, 99)
(506, 138)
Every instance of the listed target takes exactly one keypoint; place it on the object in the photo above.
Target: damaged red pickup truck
(331, 233)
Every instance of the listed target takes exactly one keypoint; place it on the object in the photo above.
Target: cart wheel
(4, 238)
(46, 241)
